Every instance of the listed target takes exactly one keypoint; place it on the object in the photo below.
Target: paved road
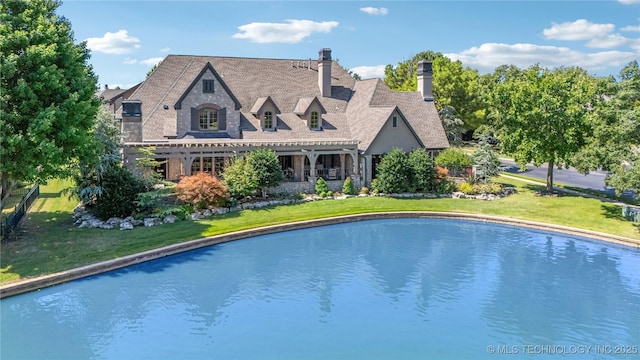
(594, 180)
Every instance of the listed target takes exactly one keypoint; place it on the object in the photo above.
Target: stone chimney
(324, 72)
(425, 83)
(106, 86)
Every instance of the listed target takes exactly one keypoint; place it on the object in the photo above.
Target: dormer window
(131, 108)
(208, 119)
(314, 122)
(207, 86)
(268, 120)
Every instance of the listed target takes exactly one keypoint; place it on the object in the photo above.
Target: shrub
(240, 179)
(393, 172)
(467, 188)
(321, 187)
(489, 188)
(347, 187)
(202, 190)
(329, 193)
(454, 159)
(120, 189)
(441, 175)
(422, 170)
(364, 190)
(267, 168)
(151, 200)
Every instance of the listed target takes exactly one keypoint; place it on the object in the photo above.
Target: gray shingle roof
(356, 109)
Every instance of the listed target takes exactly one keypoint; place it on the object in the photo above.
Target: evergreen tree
(486, 160)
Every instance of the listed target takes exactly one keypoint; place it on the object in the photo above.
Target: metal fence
(631, 214)
(11, 221)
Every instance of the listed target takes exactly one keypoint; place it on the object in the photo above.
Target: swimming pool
(376, 289)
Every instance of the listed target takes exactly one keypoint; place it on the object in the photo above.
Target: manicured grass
(50, 243)
(14, 199)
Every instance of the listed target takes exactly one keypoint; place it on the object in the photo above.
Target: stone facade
(196, 98)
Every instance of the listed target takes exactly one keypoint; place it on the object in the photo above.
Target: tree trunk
(5, 184)
(550, 176)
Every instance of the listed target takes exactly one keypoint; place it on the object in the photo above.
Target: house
(112, 98)
(198, 112)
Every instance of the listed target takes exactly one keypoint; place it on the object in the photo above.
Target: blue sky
(127, 38)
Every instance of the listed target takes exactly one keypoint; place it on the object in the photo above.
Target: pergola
(183, 152)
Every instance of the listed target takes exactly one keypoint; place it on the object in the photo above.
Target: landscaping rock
(84, 224)
(107, 226)
(207, 213)
(114, 221)
(169, 219)
(196, 216)
(125, 225)
(96, 223)
(458, 195)
(152, 222)
(221, 211)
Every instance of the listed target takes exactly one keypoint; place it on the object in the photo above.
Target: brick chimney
(324, 72)
(425, 83)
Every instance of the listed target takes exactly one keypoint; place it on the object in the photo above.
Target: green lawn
(49, 242)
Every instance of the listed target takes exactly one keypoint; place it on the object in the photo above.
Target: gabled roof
(260, 103)
(373, 103)
(207, 67)
(303, 105)
(356, 110)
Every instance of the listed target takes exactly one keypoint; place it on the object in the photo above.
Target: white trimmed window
(268, 120)
(208, 119)
(314, 122)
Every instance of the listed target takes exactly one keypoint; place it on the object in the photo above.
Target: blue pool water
(379, 289)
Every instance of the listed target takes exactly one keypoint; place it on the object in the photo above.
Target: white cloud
(630, 28)
(291, 32)
(628, 2)
(577, 30)
(130, 61)
(608, 42)
(152, 61)
(165, 50)
(487, 57)
(114, 43)
(369, 72)
(374, 11)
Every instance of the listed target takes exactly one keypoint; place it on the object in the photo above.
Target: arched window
(314, 123)
(268, 120)
(208, 119)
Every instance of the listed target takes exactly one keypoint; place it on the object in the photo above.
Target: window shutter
(222, 119)
(195, 119)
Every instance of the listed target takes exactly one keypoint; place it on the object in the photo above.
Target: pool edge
(36, 283)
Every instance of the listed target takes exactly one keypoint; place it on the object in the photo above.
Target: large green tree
(47, 103)
(615, 144)
(541, 115)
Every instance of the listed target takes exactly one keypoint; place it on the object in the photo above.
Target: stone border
(32, 284)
